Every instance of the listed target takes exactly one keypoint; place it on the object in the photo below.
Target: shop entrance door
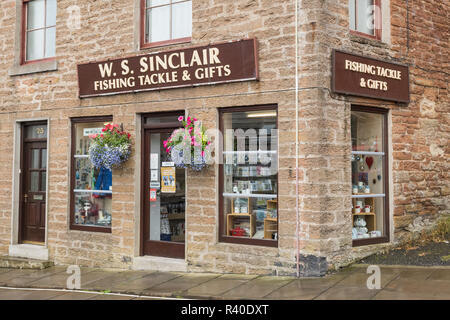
(164, 197)
(33, 184)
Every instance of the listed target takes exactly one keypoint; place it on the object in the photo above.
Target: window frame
(73, 122)
(24, 33)
(378, 22)
(386, 221)
(143, 43)
(239, 240)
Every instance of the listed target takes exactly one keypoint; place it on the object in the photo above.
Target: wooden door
(33, 193)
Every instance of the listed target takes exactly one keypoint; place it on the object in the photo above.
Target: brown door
(164, 199)
(33, 189)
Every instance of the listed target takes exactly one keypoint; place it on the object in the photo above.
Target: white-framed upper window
(39, 25)
(165, 22)
(365, 17)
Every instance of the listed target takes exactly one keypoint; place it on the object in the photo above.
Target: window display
(250, 175)
(92, 188)
(368, 175)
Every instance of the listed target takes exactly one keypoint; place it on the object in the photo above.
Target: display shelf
(250, 152)
(231, 220)
(364, 214)
(175, 216)
(252, 195)
(368, 153)
(368, 195)
(270, 224)
(178, 238)
(249, 206)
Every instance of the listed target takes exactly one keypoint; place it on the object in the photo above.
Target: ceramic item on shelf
(355, 189)
(367, 189)
(359, 203)
(357, 209)
(367, 209)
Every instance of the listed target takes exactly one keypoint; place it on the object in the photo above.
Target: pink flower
(190, 130)
(203, 153)
(180, 118)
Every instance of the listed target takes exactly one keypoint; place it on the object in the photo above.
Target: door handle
(25, 197)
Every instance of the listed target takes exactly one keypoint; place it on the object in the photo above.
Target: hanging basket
(111, 148)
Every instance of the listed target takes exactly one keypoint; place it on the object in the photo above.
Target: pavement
(397, 282)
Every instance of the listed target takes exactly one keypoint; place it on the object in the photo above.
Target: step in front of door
(23, 263)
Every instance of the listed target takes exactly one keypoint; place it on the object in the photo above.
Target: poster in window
(152, 195)
(168, 180)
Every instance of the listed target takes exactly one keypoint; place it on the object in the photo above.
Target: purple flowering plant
(189, 146)
(110, 148)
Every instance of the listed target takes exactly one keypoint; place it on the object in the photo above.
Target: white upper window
(166, 21)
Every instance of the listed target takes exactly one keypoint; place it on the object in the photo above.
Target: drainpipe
(296, 141)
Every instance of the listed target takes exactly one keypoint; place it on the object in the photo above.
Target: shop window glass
(369, 194)
(40, 29)
(167, 21)
(92, 187)
(250, 176)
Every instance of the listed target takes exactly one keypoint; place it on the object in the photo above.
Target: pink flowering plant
(110, 148)
(189, 146)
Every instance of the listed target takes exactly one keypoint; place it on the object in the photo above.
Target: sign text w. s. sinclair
(225, 62)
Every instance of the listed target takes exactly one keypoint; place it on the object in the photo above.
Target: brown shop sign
(367, 77)
(225, 62)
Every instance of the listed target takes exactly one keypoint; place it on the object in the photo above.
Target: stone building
(356, 91)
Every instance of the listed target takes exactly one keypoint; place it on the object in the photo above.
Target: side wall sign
(215, 63)
(367, 77)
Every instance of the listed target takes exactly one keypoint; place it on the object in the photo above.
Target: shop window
(91, 188)
(39, 25)
(365, 17)
(165, 22)
(369, 176)
(249, 176)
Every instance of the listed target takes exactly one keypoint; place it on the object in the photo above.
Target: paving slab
(9, 278)
(24, 278)
(257, 288)
(303, 289)
(57, 280)
(74, 296)
(3, 270)
(112, 281)
(27, 295)
(110, 297)
(427, 287)
(217, 287)
(443, 274)
(399, 295)
(138, 285)
(347, 293)
(178, 285)
(93, 276)
(359, 279)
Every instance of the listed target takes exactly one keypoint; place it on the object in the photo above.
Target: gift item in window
(104, 218)
(360, 230)
(238, 232)
(104, 182)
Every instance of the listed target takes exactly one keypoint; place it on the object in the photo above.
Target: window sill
(33, 67)
(165, 43)
(247, 241)
(90, 228)
(367, 39)
(369, 241)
